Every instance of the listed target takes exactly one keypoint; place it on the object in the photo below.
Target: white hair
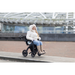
(31, 26)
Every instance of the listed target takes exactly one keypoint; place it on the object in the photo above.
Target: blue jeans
(38, 43)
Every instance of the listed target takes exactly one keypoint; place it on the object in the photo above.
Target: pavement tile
(62, 49)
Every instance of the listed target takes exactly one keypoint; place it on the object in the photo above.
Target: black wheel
(24, 53)
(32, 54)
(39, 54)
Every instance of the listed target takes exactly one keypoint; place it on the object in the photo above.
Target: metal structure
(38, 17)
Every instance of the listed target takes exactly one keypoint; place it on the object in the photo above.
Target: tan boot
(41, 48)
(43, 51)
(38, 47)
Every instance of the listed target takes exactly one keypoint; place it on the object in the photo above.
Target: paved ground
(63, 49)
(17, 57)
(6, 61)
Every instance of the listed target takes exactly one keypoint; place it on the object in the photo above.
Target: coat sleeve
(28, 36)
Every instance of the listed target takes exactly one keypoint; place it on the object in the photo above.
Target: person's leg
(37, 43)
(38, 46)
(41, 46)
(40, 52)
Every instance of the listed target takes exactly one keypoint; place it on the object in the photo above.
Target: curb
(19, 57)
(45, 59)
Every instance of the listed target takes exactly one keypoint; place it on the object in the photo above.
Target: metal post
(6, 14)
(74, 15)
(28, 15)
(53, 15)
(67, 15)
(43, 15)
(74, 29)
(67, 23)
(1, 25)
(67, 29)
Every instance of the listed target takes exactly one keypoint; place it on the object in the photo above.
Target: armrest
(28, 42)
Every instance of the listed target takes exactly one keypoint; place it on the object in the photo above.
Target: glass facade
(8, 28)
(40, 29)
(14, 29)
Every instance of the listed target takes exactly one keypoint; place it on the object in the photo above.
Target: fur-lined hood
(31, 26)
(31, 34)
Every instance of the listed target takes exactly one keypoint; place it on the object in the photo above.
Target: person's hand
(39, 38)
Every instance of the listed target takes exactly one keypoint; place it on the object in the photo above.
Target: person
(33, 35)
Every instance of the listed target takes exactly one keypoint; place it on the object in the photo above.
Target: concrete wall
(45, 37)
(58, 37)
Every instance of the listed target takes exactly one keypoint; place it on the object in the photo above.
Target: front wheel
(24, 53)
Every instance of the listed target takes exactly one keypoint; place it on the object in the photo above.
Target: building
(15, 24)
(47, 22)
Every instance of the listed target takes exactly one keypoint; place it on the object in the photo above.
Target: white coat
(31, 34)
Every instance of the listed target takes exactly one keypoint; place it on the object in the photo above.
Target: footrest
(30, 52)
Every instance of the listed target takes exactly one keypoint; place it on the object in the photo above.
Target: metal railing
(44, 32)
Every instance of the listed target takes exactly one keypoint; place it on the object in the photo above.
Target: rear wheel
(24, 53)
(39, 54)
